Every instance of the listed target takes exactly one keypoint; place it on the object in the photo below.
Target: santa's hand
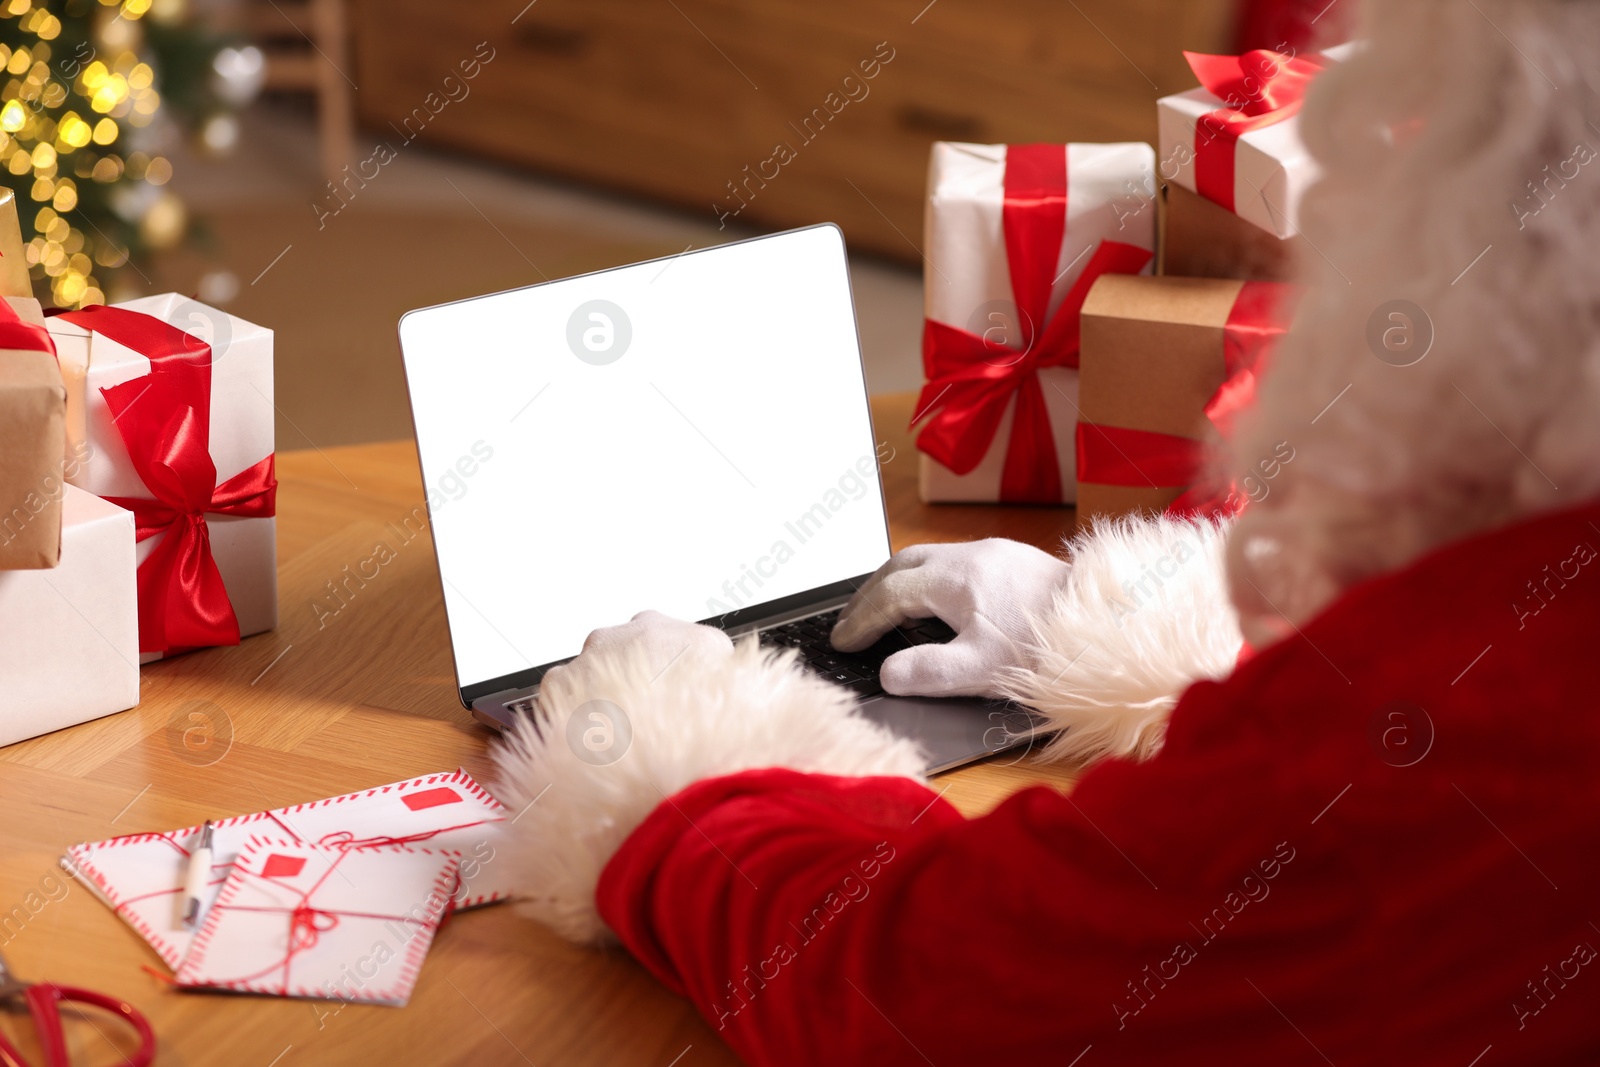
(989, 592)
(660, 639)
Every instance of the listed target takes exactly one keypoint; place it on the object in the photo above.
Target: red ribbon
(164, 419)
(1260, 88)
(19, 336)
(1119, 455)
(971, 379)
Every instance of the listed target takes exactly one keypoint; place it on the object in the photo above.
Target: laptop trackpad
(955, 732)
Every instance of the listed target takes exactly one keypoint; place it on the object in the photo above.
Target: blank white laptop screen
(689, 435)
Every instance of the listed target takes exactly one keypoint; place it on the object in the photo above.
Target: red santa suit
(1374, 842)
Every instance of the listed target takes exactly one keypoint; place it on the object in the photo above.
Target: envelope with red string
(141, 876)
(298, 920)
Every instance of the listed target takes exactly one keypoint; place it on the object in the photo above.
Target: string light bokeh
(82, 125)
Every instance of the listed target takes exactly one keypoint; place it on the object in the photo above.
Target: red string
(306, 928)
(157, 975)
(306, 923)
(346, 839)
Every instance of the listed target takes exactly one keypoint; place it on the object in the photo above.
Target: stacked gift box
(136, 493)
(1016, 237)
(1060, 366)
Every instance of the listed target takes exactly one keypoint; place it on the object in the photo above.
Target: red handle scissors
(44, 1000)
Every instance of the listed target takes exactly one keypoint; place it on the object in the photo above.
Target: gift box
(32, 413)
(1015, 236)
(170, 415)
(1200, 239)
(69, 637)
(1168, 365)
(33, 406)
(1234, 145)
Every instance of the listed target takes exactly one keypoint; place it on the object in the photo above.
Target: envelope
(141, 876)
(298, 920)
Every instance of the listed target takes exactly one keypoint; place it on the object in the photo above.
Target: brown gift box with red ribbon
(170, 415)
(1167, 366)
(32, 414)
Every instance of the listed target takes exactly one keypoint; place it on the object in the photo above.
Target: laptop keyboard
(857, 671)
(854, 670)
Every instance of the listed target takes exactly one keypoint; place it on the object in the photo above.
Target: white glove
(665, 640)
(989, 592)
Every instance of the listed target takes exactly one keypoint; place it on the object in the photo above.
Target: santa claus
(1345, 806)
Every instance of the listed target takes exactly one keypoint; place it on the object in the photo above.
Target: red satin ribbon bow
(164, 419)
(971, 379)
(1259, 88)
(1119, 455)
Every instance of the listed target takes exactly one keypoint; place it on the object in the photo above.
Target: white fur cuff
(1144, 613)
(618, 737)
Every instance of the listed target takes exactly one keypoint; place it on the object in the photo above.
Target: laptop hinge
(501, 710)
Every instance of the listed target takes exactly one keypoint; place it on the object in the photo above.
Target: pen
(199, 873)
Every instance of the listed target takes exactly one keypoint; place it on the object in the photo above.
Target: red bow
(1259, 88)
(971, 379)
(164, 419)
(1118, 455)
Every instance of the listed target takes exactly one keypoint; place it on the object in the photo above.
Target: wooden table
(347, 695)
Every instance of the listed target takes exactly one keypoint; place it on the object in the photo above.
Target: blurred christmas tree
(95, 93)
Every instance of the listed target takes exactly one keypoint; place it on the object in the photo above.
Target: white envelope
(242, 421)
(297, 920)
(69, 636)
(141, 876)
(1110, 197)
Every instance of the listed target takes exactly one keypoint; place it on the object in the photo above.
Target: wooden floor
(346, 695)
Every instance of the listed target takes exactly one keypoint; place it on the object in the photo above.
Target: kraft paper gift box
(148, 383)
(1200, 239)
(33, 405)
(1168, 366)
(1234, 165)
(69, 636)
(1015, 235)
(32, 413)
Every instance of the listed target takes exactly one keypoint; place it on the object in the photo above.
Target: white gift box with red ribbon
(69, 636)
(1109, 203)
(243, 546)
(1241, 148)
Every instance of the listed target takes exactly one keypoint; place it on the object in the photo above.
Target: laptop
(690, 435)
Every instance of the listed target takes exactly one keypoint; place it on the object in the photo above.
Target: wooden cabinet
(772, 112)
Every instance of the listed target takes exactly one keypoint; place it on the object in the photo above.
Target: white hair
(1461, 174)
